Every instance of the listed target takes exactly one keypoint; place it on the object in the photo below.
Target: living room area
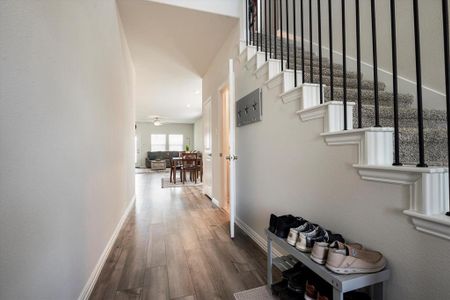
(172, 149)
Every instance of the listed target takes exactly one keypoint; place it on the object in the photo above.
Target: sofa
(160, 155)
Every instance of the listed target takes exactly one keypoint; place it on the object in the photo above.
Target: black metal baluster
(281, 33)
(295, 42)
(303, 40)
(252, 13)
(358, 62)
(419, 85)
(319, 28)
(260, 26)
(344, 62)
(270, 30)
(265, 27)
(287, 34)
(395, 85)
(330, 32)
(246, 23)
(311, 76)
(275, 27)
(256, 26)
(447, 74)
(375, 63)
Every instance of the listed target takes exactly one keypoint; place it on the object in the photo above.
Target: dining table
(179, 162)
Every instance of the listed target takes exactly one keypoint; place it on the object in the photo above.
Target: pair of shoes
(282, 224)
(356, 296)
(295, 278)
(279, 287)
(318, 289)
(298, 268)
(327, 295)
(319, 251)
(305, 236)
(353, 258)
(295, 232)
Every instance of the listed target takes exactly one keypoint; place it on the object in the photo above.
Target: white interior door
(207, 150)
(232, 132)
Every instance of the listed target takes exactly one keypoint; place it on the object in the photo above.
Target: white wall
(145, 130)
(284, 167)
(222, 7)
(198, 134)
(67, 151)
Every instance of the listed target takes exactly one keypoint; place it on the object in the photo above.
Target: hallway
(175, 245)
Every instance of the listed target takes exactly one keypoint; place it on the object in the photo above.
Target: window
(158, 142)
(175, 142)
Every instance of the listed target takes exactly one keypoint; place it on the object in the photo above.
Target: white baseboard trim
(259, 240)
(87, 290)
(215, 202)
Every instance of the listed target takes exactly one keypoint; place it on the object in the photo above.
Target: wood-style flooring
(175, 244)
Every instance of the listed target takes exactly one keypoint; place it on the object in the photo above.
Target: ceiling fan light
(157, 123)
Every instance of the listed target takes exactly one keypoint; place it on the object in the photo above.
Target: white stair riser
(332, 113)
(289, 80)
(375, 145)
(274, 68)
(430, 194)
(378, 148)
(251, 51)
(334, 120)
(311, 96)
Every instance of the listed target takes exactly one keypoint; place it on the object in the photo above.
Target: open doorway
(225, 147)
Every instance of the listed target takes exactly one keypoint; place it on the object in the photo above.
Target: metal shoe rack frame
(340, 283)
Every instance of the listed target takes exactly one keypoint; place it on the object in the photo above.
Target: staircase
(428, 186)
(435, 126)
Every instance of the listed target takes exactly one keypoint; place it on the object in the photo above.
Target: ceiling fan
(157, 120)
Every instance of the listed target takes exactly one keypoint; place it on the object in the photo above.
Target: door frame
(224, 166)
(231, 84)
(208, 190)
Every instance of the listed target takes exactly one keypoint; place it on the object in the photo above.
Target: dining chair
(190, 165)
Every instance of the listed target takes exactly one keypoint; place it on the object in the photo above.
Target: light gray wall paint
(66, 150)
(146, 129)
(284, 167)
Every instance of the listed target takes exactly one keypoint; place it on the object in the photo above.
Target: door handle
(228, 157)
(235, 157)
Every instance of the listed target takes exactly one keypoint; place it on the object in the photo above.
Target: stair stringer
(428, 187)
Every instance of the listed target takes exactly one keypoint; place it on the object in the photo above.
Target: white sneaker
(292, 237)
(293, 233)
(302, 244)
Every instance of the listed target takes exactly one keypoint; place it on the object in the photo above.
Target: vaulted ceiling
(172, 48)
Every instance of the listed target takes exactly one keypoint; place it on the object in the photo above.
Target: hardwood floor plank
(156, 247)
(158, 284)
(131, 294)
(179, 277)
(175, 245)
(201, 275)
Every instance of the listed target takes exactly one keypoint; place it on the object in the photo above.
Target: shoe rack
(340, 283)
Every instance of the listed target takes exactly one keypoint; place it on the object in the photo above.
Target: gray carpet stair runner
(435, 126)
